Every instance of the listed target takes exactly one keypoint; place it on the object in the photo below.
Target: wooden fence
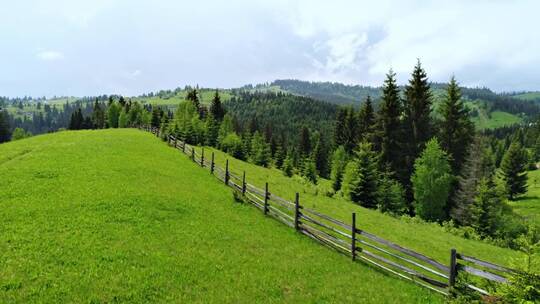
(349, 239)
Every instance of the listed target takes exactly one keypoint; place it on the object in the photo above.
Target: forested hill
(339, 93)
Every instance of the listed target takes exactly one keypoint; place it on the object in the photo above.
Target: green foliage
(260, 151)
(346, 133)
(431, 182)
(113, 113)
(513, 170)
(310, 171)
(288, 165)
(320, 156)
(389, 126)
(366, 120)
(524, 286)
(456, 128)
(391, 196)
(98, 116)
(216, 108)
(20, 133)
(487, 212)
(417, 115)
(339, 162)
(233, 145)
(123, 119)
(360, 182)
(4, 126)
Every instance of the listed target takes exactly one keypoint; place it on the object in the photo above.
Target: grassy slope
(117, 216)
(496, 119)
(528, 96)
(205, 95)
(429, 239)
(529, 205)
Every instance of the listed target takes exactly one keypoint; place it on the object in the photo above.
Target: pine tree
(339, 130)
(77, 120)
(211, 131)
(390, 128)
(309, 171)
(288, 165)
(157, 113)
(339, 162)
(366, 120)
(5, 132)
(456, 129)
(193, 96)
(513, 170)
(360, 181)
(98, 116)
(488, 210)
(345, 132)
(391, 195)
(320, 156)
(472, 172)
(417, 120)
(216, 108)
(431, 182)
(260, 151)
(305, 142)
(279, 155)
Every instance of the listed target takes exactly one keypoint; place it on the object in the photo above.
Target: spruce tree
(320, 156)
(309, 171)
(5, 132)
(345, 132)
(216, 108)
(431, 182)
(211, 131)
(513, 170)
(305, 142)
(456, 128)
(98, 116)
(260, 151)
(366, 120)
(488, 212)
(123, 119)
(339, 130)
(157, 113)
(360, 181)
(113, 113)
(339, 162)
(391, 195)
(390, 128)
(193, 96)
(417, 119)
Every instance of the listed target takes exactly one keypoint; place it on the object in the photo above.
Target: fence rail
(348, 238)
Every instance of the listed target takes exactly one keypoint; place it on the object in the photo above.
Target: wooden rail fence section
(348, 238)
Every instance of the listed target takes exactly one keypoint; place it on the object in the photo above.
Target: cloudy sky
(80, 47)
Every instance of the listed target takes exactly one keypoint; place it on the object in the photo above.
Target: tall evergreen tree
(366, 120)
(389, 127)
(417, 120)
(260, 151)
(472, 172)
(193, 96)
(113, 113)
(305, 142)
(360, 181)
(5, 132)
(77, 120)
(339, 162)
(157, 113)
(216, 108)
(456, 129)
(98, 116)
(320, 156)
(513, 170)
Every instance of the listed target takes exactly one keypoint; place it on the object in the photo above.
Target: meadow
(117, 216)
(528, 206)
(428, 238)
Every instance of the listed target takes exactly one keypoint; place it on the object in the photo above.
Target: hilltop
(117, 216)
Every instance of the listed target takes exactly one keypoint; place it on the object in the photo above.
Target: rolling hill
(117, 216)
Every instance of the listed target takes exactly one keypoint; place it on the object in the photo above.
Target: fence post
(193, 153)
(453, 269)
(266, 198)
(353, 237)
(202, 157)
(244, 183)
(227, 172)
(212, 164)
(175, 141)
(297, 211)
(184, 147)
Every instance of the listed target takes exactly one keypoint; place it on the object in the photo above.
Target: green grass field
(496, 119)
(429, 239)
(529, 205)
(528, 96)
(206, 96)
(116, 216)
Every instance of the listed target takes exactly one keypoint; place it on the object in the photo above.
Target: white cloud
(50, 55)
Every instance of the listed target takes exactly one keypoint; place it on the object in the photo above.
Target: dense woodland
(394, 154)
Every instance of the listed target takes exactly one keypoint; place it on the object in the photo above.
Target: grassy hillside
(529, 205)
(206, 96)
(528, 96)
(429, 239)
(117, 216)
(495, 119)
